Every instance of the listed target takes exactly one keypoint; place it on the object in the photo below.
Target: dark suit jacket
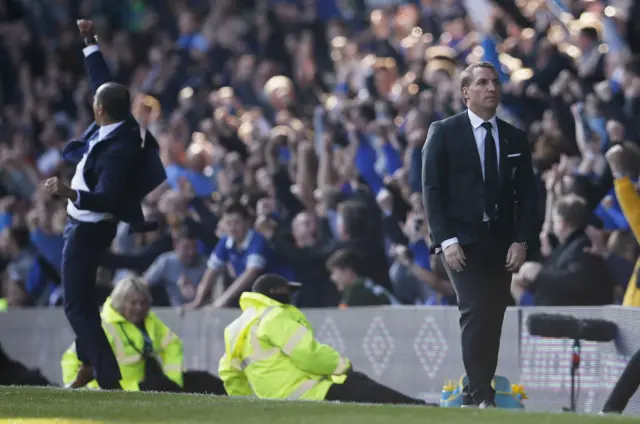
(120, 170)
(453, 186)
(573, 277)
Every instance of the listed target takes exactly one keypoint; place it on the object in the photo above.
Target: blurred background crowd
(292, 132)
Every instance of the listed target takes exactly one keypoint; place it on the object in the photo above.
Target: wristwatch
(524, 245)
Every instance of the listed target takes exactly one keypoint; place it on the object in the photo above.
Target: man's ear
(465, 92)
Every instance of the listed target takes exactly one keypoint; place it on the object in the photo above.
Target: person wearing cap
(271, 353)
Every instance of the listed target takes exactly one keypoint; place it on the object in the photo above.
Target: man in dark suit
(115, 170)
(480, 198)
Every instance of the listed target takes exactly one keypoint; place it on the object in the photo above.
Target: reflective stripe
(295, 340)
(233, 331)
(303, 388)
(121, 354)
(258, 354)
(170, 337)
(343, 365)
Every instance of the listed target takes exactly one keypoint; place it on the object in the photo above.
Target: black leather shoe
(467, 401)
(84, 377)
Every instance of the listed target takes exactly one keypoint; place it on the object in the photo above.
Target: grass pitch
(46, 406)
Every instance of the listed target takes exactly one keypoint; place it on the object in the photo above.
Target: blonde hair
(124, 288)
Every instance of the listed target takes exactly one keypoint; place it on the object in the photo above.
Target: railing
(410, 349)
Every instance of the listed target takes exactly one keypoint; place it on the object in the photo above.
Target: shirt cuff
(77, 202)
(89, 50)
(448, 243)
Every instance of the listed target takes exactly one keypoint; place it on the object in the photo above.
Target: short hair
(466, 77)
(356, 217)
(115, 100)
(347, 259)
(124, 288)
(573, 210)
(237, 208)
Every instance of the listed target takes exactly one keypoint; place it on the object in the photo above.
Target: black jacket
(573, 277)
(453, 185)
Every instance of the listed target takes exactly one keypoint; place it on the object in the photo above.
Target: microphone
(568, 327)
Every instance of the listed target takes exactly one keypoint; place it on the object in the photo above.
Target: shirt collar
(105, 130)
(477, 121)
(245, 243)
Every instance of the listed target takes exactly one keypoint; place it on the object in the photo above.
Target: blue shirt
(253, 252)
(203, 186)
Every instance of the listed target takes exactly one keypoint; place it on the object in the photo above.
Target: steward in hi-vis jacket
(271, 353)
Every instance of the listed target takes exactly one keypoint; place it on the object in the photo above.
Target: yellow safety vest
(4, 305)
(127, 342)
(271, 353)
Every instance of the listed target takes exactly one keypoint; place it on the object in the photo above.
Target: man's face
(304, 227)
(237, 227)
(484, 90)
(186, 250)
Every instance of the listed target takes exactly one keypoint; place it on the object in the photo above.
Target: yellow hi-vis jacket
(630, 205)
(127, 342)
(270, 353)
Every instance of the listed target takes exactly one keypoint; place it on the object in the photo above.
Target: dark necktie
(491, 183)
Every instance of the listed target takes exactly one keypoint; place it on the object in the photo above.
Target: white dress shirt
(77, 182)
(479, 133)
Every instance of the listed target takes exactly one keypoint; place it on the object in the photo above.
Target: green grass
(45, 405)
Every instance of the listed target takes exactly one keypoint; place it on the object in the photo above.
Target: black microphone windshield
(568, 327)
(553, 325)
(598, 330)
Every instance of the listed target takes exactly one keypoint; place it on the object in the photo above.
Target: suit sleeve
(527, 197)
(115, 176)
(434, 185)
(96, 67)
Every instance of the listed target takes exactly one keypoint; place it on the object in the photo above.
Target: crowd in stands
(292, 132)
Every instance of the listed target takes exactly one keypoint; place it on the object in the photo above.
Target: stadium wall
(410, 349)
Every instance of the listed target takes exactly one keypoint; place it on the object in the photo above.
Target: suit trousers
(84, 247)
(359, 388)
(483, 292)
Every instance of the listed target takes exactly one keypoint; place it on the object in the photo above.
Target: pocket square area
(514, 155)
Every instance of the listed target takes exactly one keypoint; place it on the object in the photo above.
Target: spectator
(570, 276)
(14, 245)
(178, 272)
(244, 251)
(296, 110)
(348, 272)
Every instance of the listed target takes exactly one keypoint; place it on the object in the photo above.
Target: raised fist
(85, 27)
